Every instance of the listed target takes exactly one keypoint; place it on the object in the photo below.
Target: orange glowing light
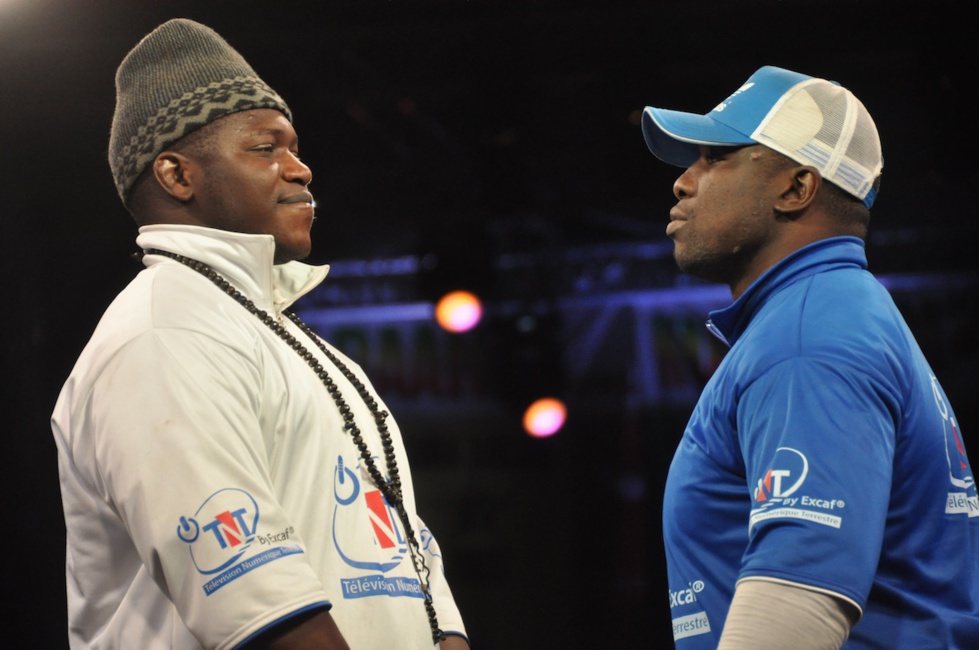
(458, 311)
(544, 417)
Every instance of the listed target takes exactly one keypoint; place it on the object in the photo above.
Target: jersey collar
(730, 322)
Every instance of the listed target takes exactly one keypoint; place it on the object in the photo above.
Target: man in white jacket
(229, 479)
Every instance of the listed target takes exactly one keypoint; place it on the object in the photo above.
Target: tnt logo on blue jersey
(777, 493)
(784, 478)
(962, 496)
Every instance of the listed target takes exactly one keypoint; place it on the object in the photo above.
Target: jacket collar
(245, 261)
(730, 322)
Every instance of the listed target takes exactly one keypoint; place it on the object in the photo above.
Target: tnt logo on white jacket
(221, 533)
(221, 530)
(389, 544)
(369, 538)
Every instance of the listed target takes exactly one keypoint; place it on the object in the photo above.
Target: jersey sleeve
(818, 444)
(183, 461)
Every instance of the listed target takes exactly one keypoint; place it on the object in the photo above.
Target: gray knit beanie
(180, 77)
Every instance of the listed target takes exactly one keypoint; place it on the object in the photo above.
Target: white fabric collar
(245, 261)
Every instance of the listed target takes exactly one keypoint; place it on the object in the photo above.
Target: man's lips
(676, 220)
(298, 197)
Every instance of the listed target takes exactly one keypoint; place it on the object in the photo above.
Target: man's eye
(264, 147)
(713, 155)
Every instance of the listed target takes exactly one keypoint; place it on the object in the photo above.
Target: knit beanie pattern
(178, 78)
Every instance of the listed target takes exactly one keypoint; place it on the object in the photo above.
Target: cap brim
(676, 137)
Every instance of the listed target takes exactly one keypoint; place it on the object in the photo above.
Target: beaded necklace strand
(390, 487)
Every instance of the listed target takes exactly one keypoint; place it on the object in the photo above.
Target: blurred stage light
(544, 417)
(458, 311)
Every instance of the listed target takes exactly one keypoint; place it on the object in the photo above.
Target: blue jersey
(824, 452)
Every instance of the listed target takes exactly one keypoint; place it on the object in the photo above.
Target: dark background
(466, 131)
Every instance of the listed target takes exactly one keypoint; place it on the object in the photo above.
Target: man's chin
(291, 253)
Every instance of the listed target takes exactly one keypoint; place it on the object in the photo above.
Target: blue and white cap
(812, 121)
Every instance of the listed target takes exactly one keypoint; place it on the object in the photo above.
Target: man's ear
(803, 186)
(175, 173)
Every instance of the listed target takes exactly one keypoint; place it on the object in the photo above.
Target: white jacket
(209, 488)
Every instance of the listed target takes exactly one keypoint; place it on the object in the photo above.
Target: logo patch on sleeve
(777, 494)
(221, 536)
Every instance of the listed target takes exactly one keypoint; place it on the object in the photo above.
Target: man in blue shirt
(821, 496)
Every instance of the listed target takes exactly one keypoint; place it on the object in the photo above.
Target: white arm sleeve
(766, 614)
(176, 425)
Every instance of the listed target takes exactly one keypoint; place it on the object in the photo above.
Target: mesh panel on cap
(864, 148)
(821, 124)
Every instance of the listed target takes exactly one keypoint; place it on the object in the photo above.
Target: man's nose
(296, 170)
(683, 186)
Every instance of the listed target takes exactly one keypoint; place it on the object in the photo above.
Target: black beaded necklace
(390, 487)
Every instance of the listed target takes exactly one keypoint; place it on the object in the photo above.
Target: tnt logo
(230, 528)
(355, 497)
(380, 518)
(959, 470)
(221, 530)
(786, 475)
